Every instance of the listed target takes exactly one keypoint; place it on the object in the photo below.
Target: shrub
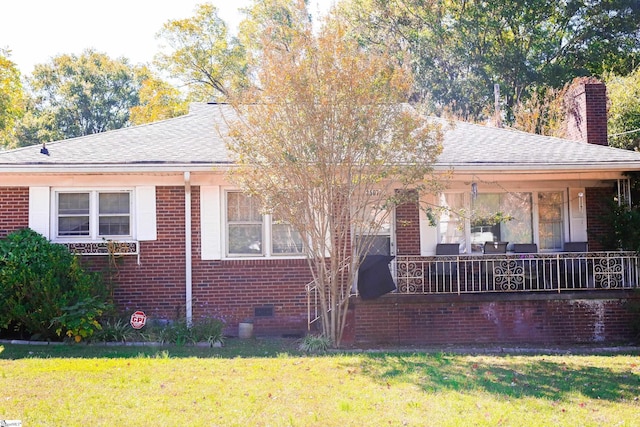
(208, 329)
(116, 330)
(46, 293)
(314, 344)
(178, 332)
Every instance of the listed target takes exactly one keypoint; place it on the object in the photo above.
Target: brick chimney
(586, 103)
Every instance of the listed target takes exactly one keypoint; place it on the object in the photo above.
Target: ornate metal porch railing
(516, 272)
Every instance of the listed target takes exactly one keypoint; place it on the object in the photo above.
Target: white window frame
(94, 235)
(267, 231)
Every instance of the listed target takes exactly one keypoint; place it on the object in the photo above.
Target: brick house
(184, 242)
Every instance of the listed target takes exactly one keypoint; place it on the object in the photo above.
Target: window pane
(245, 239)
(73, 226)
(486, 226)
(450, 223)
(114, 203)
(114, 226)
(550, 224)
(113, 214)
(285, 239)
(73, 214)
(73, 203)
(518, 207)
(241, 207)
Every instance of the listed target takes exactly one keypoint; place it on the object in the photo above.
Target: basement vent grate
(263, 311)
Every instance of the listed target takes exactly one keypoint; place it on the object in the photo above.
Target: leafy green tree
(12, 100)
(201, 54)
(158, 101)
(462, 48)
(81, 95)
(329, 147)
(624, 110)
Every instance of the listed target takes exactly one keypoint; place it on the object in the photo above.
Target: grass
(269, 383)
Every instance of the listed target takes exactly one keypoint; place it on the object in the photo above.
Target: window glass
(245, 239)
(550, 220)
(244, 225)
(114, 209)
(73, 214)
(374, 231)
(501, 217)
(247, 230)
(241, 207)
(450, 221)
(285, 240)
(93, 214)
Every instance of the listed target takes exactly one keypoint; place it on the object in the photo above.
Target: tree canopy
(200, 53)
(80, 95)
(461, 49)
(159, 100)
(624, 110)
(12, 100)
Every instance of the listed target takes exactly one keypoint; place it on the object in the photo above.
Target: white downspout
(187, 248)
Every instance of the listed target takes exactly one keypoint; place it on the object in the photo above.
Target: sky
(37, 30)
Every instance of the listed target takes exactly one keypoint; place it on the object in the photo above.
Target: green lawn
(268, 383)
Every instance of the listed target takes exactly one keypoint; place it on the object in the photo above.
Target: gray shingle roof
(470, 145)
(194, 141)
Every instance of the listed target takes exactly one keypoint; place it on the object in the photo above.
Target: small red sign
(138, 320)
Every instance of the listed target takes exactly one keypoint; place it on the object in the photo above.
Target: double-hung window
(93, 214)
(250, 233)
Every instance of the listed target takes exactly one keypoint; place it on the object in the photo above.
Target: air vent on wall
(263, 311)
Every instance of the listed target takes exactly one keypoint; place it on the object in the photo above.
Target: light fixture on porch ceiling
(581, 201)
(474, 190)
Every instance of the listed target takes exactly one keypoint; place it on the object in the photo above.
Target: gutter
(187, 249)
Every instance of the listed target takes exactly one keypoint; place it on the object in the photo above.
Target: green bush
(45, 292)
(314, 344)
(178, 332)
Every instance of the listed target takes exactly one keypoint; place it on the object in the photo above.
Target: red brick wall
(597, 203)
(408, 228)
(14, 209)
(232, 289)
(586, 103)
(156, 285)
(493, 319)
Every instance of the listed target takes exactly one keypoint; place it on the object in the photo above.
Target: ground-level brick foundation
(585, 317)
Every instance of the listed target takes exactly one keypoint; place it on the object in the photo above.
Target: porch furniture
(575, 271)
(446, 270)
(495, 247)
(447, 267)
(576, 247)
(525, 248)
